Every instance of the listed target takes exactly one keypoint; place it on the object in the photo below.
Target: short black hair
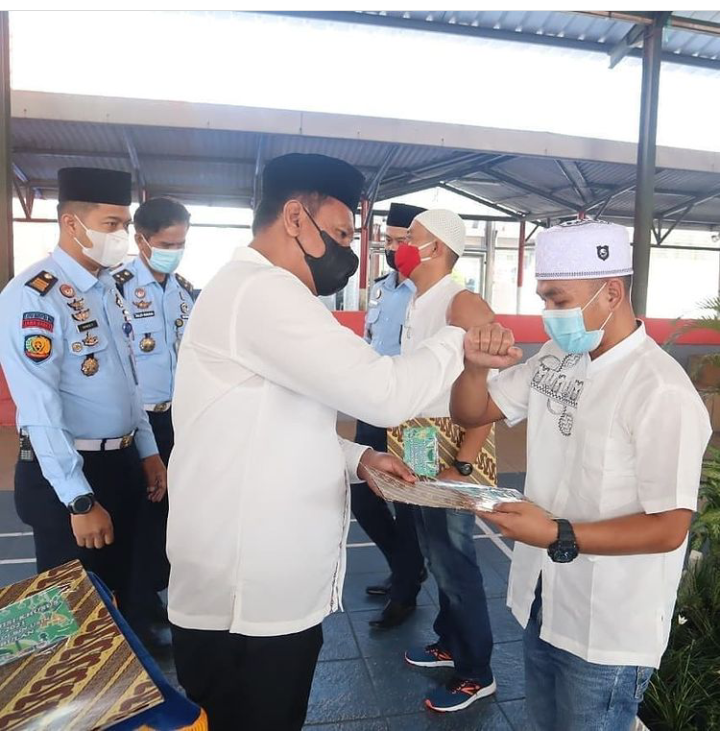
(270, 208)
(74, 207)
(159, 213)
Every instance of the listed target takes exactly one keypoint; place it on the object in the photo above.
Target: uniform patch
(38, 319)
(42, 283)
(66, 290)
(123, 276)
(146, 313)
(38, 348)
(89, 325)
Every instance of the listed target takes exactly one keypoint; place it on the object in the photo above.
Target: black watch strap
(82, 504)
(464, 468)
(565, 548)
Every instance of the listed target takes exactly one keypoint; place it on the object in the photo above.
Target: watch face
(564, 554)
(82, 504)
(464, 468)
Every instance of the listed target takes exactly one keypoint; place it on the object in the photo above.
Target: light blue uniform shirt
(386, 313)
(159, 316)
(66, 348)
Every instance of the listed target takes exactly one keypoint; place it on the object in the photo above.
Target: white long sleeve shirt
(258, 479)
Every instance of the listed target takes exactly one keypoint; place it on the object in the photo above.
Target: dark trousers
(117, 481)
(395, 536)
(248, 683)
(151, 536)
(463, 624)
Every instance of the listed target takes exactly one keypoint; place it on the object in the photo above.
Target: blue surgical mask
(567, 328)
(165, 261)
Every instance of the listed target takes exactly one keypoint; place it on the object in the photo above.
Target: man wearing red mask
(436, 240)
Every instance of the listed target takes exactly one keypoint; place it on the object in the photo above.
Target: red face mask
(407, 258)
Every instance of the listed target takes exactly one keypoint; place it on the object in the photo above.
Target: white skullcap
(446, 226)
(584, 249)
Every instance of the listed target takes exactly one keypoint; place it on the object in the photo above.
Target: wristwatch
(565, 548)
(464, 468)
(82, 504)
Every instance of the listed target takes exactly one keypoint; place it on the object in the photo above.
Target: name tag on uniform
(147, 313)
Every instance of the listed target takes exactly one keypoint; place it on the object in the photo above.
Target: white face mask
(108, 249)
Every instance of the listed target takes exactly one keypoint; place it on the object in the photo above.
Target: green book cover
(34, 624)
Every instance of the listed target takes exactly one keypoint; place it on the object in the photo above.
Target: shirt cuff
(353, 454)
(74, 486)
(145, 443)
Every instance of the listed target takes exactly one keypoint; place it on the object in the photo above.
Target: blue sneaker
(432, 656)
(458, 694)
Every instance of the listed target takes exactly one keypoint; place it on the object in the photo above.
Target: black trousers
(395, 536)
(150, 538)
(117, 480)
(248, 683)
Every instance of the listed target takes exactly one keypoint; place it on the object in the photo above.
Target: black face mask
(333, 269)
(390, 258)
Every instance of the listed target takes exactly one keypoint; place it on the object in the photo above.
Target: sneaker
(458, 694)
(432, 656)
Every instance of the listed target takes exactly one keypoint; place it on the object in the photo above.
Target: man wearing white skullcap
(436, 239)
(616, 437)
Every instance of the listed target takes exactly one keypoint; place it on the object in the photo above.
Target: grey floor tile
(355, 597)
(417, 630)
(370, 724)
(488, 552)
(483, 715)
(516, 713)
(365, 560)
(341, 691)
(357, 534)
(9, 521)
(10, 573)
(504, 626)
(17, 547)
(509, 669)
(400, 688)
(339, 641)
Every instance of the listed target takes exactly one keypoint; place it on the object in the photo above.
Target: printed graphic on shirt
(561, 388)
(37, 348)
(38, 319)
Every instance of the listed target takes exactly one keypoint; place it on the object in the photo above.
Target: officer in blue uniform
(394, 536)
(159, 302)
(88, 457)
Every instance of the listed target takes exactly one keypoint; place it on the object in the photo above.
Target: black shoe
(380, 589)
(393, 615)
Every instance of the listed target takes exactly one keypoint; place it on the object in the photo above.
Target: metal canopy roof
(691, 37)
(211, 154)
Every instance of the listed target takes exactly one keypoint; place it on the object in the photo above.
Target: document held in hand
(443, 493)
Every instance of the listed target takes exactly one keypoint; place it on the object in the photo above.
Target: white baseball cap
(584, 249)
(446, 226)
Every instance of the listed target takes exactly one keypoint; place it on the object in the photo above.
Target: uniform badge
(119, 300)
(89, 325)
(76, 304)
(42, 283)
(140, 293)
(81, 315)
(142, 304)
(141, 315)
(147, 344)
(603, 252)
(41, 320)
(90, 340)
(38, 348)
(89, 366)
(184, 308)
(127, 328)
(76, 347)
(179, 322)
(66, 290)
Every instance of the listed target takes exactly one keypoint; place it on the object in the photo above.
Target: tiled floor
(362, 682)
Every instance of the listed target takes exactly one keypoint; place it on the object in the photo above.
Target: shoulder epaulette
(123, 276)
(42, 282)
(184, 284)
(380, 279)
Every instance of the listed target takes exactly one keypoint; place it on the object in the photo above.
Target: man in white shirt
(436, 240)
(259, 502)
(616, 437)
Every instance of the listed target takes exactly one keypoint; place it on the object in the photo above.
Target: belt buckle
(162, 407)
(126, 441)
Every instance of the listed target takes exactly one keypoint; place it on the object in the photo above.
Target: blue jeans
(463, 624)
(566, 693)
